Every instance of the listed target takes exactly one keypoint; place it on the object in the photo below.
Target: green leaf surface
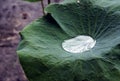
(41, 53)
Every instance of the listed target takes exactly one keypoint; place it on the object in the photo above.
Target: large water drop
(79, 44)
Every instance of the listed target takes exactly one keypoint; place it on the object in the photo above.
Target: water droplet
(79, 44)
(78, 1)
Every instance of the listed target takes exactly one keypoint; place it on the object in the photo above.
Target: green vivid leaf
(41, 53)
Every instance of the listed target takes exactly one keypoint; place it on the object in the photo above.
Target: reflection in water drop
(79, 44)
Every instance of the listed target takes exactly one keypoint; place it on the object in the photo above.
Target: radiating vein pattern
(76, 41)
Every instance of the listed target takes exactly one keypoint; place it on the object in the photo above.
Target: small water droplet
(78, 1)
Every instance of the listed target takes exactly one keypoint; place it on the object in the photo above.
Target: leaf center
(79, 44)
